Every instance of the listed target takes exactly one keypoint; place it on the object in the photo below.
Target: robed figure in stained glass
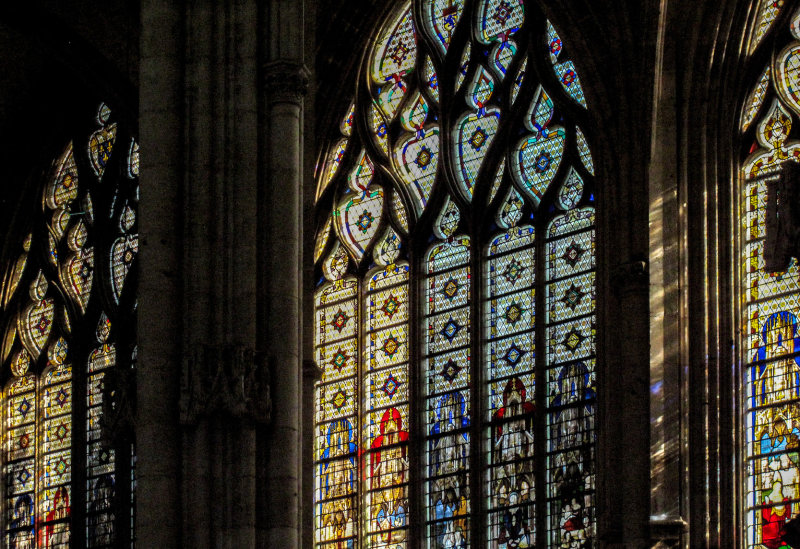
(449, 453)
(572, 478)
(55, 534)
(777, 437)
(388, 463)
(513, 444)
(101, 517)
(22, 523)
(338, 479)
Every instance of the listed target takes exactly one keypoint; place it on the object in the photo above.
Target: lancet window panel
(69, 317)
(454, 309)
(769, 301)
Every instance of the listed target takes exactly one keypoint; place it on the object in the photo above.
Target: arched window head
(769, 297)
(69, 344)
(454, 310)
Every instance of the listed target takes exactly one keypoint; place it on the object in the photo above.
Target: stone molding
(225, 380)
(285, 81)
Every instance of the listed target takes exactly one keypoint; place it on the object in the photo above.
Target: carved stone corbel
(311, 371)
(285, 81)
(667, 533)
(227, 380)
(629, 276)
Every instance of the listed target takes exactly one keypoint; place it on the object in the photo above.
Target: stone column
(627, 475)
(199, 368)
(225, 386)
(285, 83)
(160, 320)
(667, 276)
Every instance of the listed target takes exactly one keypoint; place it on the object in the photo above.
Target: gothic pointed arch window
(454, 308)
(769, 285)
(69, 344)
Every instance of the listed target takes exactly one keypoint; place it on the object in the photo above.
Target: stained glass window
(454, 309)
(69, 317)
(770, 301)
(768, 11)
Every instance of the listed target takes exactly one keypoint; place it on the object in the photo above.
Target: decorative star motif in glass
(450, 370)
(128, 255)
(542, 163)
(61, 466)
(390, 306)
(85, 270)
(513, 355)
(555, 46)
(340, 320)
(399, 53)
(24, 407)
(568, 77)
(450, 289)
(450, 329)
(424, 157)
(502, 12)
(339, 399)
(572, 296)
(61, 431)
(43, 324)
(365, 221)
(24, 475)
(390, 386)
(339, 360)
(573, 254)
(477, 139)
(390, 346)
(513, 271)
(513, 313)
(572, 340)
(61, 398)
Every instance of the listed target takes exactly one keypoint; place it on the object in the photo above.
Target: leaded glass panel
(69, 279)
(456, 228)
(770, 301)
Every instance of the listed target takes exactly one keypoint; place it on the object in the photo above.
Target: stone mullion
(417, 403)
(477, 429)
(361, 520)
(540, 388)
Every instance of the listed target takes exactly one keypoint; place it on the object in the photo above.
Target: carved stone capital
(285, 81)
(227, 380)
(629, 276)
